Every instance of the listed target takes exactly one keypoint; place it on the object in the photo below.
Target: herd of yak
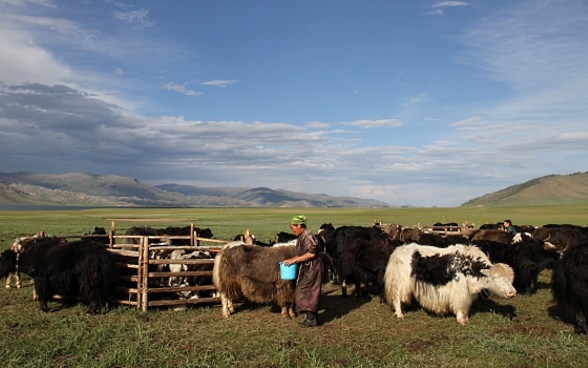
(356, 254)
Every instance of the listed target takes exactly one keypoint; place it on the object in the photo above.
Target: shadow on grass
(561, 313)
(484, 305)
(335, 305)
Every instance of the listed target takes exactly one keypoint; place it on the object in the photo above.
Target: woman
(509, 228)
(310, 271)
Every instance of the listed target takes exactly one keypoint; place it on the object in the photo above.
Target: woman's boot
(310, 320)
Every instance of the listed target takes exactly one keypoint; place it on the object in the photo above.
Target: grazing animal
(363, 261)
(441, 227)
(569, 284)
(284, 237)
(188, 281)
(18, 246)
(496, 226)
(99, 235)
(561, 237)
(80, 268)
(336, 240)
(251, 272)
(409, 235)
(443, 280)
(527, 257)
(493, 235)
(440, 241)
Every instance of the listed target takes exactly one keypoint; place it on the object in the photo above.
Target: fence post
(145, 271)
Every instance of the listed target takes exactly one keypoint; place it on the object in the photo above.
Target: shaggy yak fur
(443, 280)
(251, 272)
(81, 268)
(569, 284)
(498, 236)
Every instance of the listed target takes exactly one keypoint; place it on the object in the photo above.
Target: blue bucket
(288, 272)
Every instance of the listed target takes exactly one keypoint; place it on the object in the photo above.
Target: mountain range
(81, 189)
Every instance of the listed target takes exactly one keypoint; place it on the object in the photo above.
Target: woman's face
(297, 229)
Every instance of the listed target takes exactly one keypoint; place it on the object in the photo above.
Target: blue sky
(408, 102)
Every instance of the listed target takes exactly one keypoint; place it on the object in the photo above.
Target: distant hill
(547, 190)
(266, 197)
(81, 189)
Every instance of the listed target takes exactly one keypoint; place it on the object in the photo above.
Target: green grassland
(355, 332)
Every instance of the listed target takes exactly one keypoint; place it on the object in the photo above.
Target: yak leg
(358, 289)
(43, 292)
(94, 307)
(226, 305)
(398, 307)
(285, 313)
(8, 278)
(462, 317)
(581, 323)
(292, 312)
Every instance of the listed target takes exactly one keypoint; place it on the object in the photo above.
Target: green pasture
(355, 332)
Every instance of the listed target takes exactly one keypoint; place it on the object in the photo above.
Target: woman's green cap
(300, 219)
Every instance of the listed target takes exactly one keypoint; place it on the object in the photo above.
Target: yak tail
(559, 283)
(99, 281)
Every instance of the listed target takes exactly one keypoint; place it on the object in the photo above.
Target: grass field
(523, 332)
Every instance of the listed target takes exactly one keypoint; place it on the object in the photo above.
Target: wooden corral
(445, 230)
(138, 269)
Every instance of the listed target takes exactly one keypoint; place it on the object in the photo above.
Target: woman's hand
(303, 258)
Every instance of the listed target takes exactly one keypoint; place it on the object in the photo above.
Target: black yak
(82, 268)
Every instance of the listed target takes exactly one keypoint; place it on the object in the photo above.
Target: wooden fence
(136, 268)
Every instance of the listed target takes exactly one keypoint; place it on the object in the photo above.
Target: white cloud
(220, 82)
(60, 25)
(23, 60)
(181, 89)
(317, 125)
(443, 4)
(436, 12)
(138, 17)
(380, 123)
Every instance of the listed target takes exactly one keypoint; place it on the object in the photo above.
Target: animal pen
(138, 268)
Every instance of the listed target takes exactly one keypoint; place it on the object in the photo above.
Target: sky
(407, 102)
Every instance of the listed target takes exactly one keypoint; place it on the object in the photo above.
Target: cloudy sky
(408, 102)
